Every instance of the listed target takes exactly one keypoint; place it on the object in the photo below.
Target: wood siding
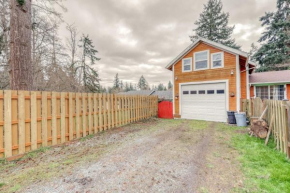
(207, 75)
(243, 78)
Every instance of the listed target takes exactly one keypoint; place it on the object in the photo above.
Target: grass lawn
(265, 169)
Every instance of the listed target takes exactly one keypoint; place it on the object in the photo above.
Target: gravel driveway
(150, 156)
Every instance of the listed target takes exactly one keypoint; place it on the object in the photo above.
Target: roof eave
(211, 43)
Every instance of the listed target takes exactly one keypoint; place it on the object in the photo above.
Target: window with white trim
(186, 64)
(273, 92)
(201, 60)
(217, 60)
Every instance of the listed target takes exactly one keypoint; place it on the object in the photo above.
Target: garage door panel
(210, 106)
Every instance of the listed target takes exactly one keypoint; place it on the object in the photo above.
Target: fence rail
(30, 120)
(277, 117)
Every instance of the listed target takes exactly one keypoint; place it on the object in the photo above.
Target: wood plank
(100, 113)
(90, 114)
(53, 119)
(112, 111)
(49, 117)
(96, 122)
(105, 111)
(109, 111)
(84, 112)
(78, 121)
(123, 110)
(119, 111)
(116, 111)
(71, 120)
(1, 126)
(44, 118)
(7, 123)
(63, 117)
(21, 121)
(33, 121)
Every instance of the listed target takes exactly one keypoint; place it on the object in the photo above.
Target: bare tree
(20, 46)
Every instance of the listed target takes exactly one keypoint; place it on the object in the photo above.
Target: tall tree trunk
(20, 46)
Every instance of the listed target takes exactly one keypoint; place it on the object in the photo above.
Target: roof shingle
(270, 77)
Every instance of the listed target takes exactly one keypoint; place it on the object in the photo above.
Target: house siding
(207, 75)
(243, 78)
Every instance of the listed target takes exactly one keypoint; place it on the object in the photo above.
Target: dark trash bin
(231, 117)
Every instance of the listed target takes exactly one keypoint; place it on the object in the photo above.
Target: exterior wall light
(176, 78)
(176, 97)
(232, 72)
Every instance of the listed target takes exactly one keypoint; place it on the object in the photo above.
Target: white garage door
(204, 102)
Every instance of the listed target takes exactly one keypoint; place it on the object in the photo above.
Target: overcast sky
(140, 37)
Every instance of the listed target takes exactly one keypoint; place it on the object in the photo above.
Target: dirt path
(155, 156)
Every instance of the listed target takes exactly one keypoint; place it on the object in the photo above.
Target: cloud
(140, 37)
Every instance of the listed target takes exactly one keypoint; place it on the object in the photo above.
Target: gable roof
(211, 43)
(270, 77)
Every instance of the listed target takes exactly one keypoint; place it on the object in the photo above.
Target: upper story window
(201, 60)
(217, 60)
(186, 64)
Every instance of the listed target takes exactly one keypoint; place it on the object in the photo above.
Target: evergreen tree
(213, 25)
(275, 50)
(121, 85)
(116, 84)
(143, 84)
(90, 77)
(131, 86)
(127, 88)
(169, 85)
(161, 87)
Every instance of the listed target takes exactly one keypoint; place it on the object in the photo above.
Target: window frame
(269, 90)
(222, 60)
(208, 57)
(190, 64)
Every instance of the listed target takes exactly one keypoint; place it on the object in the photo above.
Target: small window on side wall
(186, 64)
(217, 60)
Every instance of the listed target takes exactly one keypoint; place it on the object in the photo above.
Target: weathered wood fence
(277, 117)
(30, 120)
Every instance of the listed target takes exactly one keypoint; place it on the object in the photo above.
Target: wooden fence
(277, 117)
(30, 120)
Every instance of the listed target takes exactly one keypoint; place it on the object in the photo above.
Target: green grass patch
(35, 153)
(1, 185)
(15, 188)
(198, 125)
(265, 168)
(86, 137)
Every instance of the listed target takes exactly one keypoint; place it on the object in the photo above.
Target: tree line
(32, 55)
(274, 52)
(121, 86)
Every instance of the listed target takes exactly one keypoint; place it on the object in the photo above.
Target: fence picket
(21, 121)
(44, 118)
(33, 121)
(38, 119)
